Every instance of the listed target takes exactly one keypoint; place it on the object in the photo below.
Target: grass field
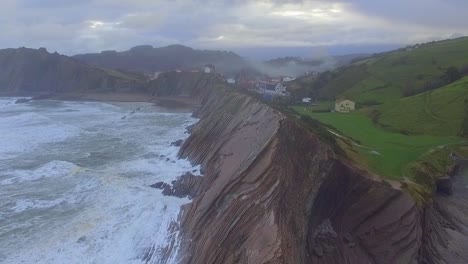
(387, 153)
(439, 112)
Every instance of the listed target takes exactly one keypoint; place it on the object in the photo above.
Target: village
(269, 88)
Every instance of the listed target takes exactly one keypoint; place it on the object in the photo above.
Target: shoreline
(163, 101)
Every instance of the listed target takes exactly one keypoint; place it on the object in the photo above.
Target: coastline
(167, 164)
(163, 101)
(272, 190)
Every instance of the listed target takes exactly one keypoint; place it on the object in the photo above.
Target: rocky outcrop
(193, 85)
(30, 71)
(187, 185)
(445, 225)
(273, 192)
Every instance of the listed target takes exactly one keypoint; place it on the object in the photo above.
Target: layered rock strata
(273, 192)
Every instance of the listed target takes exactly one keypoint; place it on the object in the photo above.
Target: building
(312, 73)
(288, 79)
(306, 100)
(344, 106)
(231, 81)
(280, 89)
(209, 68)
(155, 75)
(271, 88)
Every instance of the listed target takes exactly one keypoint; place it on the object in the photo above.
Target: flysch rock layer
(273, 192)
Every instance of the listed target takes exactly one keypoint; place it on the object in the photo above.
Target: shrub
(464, 128)
(451, 74)
(464, 70)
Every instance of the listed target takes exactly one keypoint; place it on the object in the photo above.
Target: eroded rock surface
(269, 187)
(186, 185)
(446, 225)
(274, 192)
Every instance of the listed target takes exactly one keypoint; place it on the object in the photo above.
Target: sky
(267, 28)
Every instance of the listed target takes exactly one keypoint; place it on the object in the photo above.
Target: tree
(451, 74)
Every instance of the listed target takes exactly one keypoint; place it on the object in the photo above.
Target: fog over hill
(149, 59)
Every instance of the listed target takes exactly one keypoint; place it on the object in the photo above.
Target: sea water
(75, 181)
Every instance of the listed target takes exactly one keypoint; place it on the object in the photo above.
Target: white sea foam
(51, 169)
(27, 131)
(10, 101)
(74, 182)
(27, 204)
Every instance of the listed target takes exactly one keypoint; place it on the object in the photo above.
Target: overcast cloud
(77, 26)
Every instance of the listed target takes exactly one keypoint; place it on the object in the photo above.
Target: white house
(311, 73)
(271, 88)
(307, 100)
(288, 79)
(231, 81)
(280, 89)
(209, 68)
(344, 106)
(155, 75)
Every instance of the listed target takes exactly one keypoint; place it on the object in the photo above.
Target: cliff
(30, 71)
(192, 85)
(273, 192)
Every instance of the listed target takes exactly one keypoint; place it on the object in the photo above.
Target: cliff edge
(273, 192)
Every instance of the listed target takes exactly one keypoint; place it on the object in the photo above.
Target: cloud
(92, 25)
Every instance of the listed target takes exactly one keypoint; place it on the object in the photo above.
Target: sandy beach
(165, 101)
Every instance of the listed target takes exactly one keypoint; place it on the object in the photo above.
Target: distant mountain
(149, 59)
(31, 71)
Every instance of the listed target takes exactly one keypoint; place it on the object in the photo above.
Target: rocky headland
(275, 192)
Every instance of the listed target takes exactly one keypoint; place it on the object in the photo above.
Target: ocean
(75, 181)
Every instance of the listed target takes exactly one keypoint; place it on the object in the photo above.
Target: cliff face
(197, 86)
(38, 71)
(446, 224)
(274, 193)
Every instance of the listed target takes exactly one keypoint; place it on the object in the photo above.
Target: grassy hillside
(442, 112)
(413, 111)
(386, 153)
(389, 76)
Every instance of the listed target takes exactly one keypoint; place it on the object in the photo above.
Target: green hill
(441, 112)
(413, 111)
(384, 152)
(389, 76)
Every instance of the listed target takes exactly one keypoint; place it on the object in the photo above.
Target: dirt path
(428, 110)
